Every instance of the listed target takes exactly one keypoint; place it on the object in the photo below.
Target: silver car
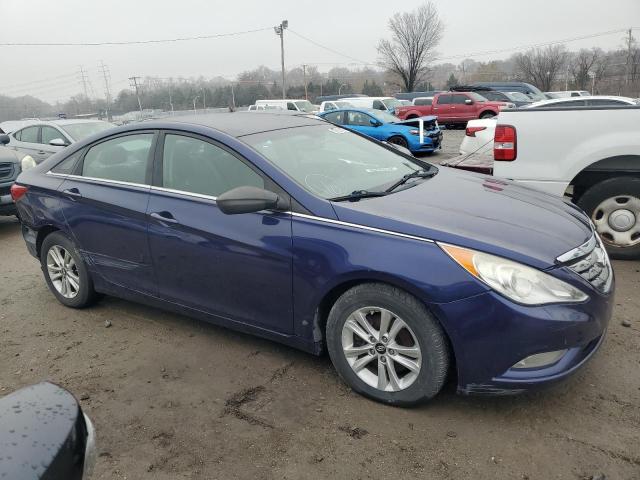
(42, 139)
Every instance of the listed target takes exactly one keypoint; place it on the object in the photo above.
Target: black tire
(428, 332)
(611, 188)
(487, 115)
(86, 294)
(398, 140)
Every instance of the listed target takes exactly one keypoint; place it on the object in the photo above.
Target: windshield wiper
(357, 195)
(417, 174)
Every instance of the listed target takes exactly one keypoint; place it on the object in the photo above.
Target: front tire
(400, 141)
(65, 272)
(486, 115)
(614, 208)
(386, 345)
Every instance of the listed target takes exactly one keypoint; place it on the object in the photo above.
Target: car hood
(9, 155)
(414, 122)
(479, 212)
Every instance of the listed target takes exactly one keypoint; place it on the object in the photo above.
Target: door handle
(42, 152)
(164, 217)
(72, 193)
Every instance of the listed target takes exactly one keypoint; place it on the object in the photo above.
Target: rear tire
(65, 271)
(407, 367)
(614, 207)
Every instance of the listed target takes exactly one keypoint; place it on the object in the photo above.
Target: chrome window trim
(579, 251)
(183, 192)
(99, 180)
(360, 227)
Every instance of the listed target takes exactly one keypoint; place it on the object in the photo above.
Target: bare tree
(541, 66)
(583, 65)
(414, 38)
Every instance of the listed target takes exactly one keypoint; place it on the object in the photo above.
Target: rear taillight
(471, 131)
(505, 143)
(17, 191)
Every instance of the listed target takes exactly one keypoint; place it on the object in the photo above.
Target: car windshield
(78, 131)
(536, 97)
(477, 97)
(330, 161)
(342, 104)
(305, 106)
(384, 117)
(391, 103)
(517, 96)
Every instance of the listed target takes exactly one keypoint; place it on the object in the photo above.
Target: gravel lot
(174, 398)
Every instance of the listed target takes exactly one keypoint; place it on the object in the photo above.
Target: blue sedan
(291, 228)
(389, 128)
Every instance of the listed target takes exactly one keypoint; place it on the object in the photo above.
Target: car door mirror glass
(468, 102)
(58, 142)
(374, 122)
(4, 139)
(249, 199)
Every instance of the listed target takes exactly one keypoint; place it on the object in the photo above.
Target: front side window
(305, 106)
(423, 101)
(291, 106)
(195, 166)
(28, 135)
(330, 161)
(444, 100)
(50, 133)
(359, 119)
(122, 159)
(378, 105)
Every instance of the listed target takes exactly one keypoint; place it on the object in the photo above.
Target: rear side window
(67, 166)
(444, 100)
(195, 166)
(335, 117)
(605, 103)
(29, 135)
(123, 159)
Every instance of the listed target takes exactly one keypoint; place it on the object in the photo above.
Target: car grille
(591, 262)
(5, 191)
(6, 170)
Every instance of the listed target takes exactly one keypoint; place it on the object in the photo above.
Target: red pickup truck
(454, 107)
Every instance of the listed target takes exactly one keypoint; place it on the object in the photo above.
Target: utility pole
(134, 83)
(304, 74)
(107, 76)
(566, 79)
(204, 98)
(83, 80)
(279, 29)
(233, 97)
(629, 44)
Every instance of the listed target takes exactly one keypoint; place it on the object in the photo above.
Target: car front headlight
(27, 162)
(517, 282)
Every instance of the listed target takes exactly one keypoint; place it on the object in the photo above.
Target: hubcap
(617, 220)
(63, 271)
(381, 349)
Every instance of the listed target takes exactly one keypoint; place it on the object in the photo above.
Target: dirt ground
(175, 398)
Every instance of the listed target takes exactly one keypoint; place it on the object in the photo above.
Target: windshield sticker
(378, 170)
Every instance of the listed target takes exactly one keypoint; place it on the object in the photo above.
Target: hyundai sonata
(297, 230)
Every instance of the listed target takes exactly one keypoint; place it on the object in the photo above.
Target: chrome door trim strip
(182, 192)
(98, 180)
(360, 227)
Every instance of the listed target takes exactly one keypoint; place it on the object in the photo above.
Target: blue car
(293, 229)
(389, 128)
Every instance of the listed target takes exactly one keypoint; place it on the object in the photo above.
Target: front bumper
(432, 141)
(490, 335)
(7, 206)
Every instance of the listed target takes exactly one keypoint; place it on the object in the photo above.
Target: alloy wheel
(63, 271)
(617, 220)
(381, 349)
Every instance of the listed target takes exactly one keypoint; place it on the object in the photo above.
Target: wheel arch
(44, 232)
(596, 172)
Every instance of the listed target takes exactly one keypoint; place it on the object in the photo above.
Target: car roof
(238, 124)
(552, 101)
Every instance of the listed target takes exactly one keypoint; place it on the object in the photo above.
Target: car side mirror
(58, 142)
(375, 123)
(248, 199)
(4, 139)
(468, 102)
(44, 434)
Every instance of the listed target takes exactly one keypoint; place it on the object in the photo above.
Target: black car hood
(477, 211)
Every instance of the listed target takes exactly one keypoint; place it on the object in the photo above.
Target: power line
(330, 49)
(132, 42)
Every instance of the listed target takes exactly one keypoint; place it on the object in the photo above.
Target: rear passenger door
(27, 141)
(237, 267)
(104, 202)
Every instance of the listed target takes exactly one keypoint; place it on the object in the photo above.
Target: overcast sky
(349, 27)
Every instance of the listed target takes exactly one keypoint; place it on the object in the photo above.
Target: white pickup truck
(591, 154)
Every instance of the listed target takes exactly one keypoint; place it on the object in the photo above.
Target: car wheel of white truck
(614, 208)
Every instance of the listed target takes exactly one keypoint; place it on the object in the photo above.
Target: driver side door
(361, 122)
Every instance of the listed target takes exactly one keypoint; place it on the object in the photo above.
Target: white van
(334, 105)
(304, 106)
(377, 103)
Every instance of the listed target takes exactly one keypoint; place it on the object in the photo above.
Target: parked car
(262, 108)
(413, 95)
(591, 101)
(331, 98)
(45, 435)
(530, 90)
(404, 103)
(454, 108)
(478, 136)
(568, 93)
(327, 106)
(42, 139)
(388, 104)
(11, 164)
(293, 105)
(388, 128)
(296, 230)
(519, 99)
